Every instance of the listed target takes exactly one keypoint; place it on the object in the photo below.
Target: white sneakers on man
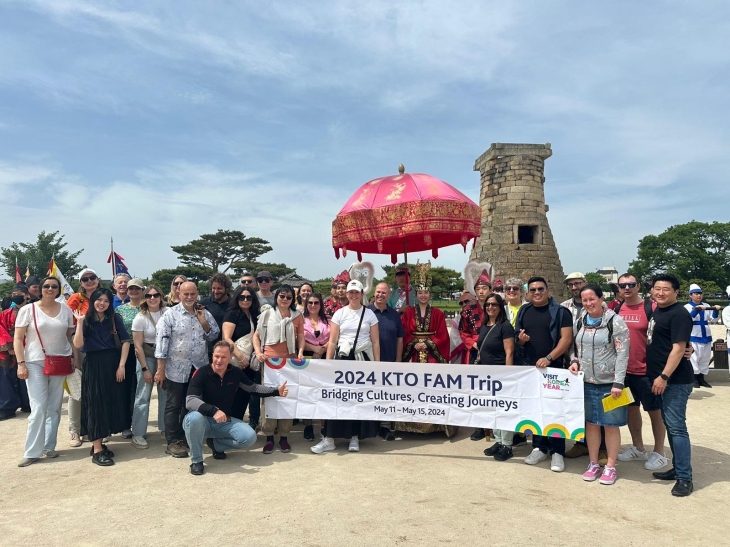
(656, 461)
(557, 463)
(354, 445)
(327, 444)
(535, 457)
(633, 454)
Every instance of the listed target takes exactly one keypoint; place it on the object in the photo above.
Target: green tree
(696, 250)
(251, 266)
(598, 279)
(221, 250)
(163, 278)
(443, 280)
(39, 254)
(709, 288)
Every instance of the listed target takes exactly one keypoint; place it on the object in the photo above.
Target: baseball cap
(85, 271)
(136, 282)
(264, 274)
(354, 285)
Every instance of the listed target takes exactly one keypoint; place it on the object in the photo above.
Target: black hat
(32, 280)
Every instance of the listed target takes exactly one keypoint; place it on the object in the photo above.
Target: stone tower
(516, 237)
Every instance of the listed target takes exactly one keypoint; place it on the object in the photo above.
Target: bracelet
(21, 363)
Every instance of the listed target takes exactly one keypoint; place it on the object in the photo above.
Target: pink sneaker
(609, 475)
(592, 473)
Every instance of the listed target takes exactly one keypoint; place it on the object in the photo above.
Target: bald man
(180, 349)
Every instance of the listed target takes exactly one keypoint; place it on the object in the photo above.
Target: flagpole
(114, 262)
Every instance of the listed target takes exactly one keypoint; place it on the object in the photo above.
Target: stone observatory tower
(516, 237)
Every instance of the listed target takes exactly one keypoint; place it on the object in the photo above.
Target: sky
(155, 122)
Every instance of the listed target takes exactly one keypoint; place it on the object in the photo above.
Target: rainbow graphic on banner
(551, 430)
(278, 363)
(528, 425)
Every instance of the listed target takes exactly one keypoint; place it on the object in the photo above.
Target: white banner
(545, 401)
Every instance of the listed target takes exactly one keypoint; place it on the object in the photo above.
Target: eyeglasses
(464, 302)
(313, 303)
(90, 278)
(575, 284)
(152, 295)
(537, 289)
(54, 287)
(513, 289)
(177, 283)
(263, 279)
(245, 298)
(627, 285)
(285, 296)
(491, 305)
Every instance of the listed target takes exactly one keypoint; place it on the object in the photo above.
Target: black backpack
(648, 308)
(581, 322)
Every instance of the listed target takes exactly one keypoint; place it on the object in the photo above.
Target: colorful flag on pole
(66, 288)
(118, 265)
(18, 278)
(27, 271)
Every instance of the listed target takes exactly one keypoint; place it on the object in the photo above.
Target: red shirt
(636, 320)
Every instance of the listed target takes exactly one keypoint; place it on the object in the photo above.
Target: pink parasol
(407, 212)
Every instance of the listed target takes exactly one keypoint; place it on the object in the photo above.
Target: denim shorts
(593, 401)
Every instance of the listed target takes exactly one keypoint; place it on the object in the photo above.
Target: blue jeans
(674, 414)
(141, 411)
(228, 435)
(46, 397)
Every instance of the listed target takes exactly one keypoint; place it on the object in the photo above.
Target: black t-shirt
(536, 323)
(492, 353)
(240, 319)
(218, 311)
(667, 327)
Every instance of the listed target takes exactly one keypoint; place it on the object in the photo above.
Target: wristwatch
(144, 369)
(664, 377)
(549, 358)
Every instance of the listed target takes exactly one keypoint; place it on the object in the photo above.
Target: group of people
(206, 356)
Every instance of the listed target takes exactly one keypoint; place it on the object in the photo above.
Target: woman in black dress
(104, 407)
(239, 323)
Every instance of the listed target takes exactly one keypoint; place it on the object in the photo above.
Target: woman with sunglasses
(173, 297)
(104, 406)
(43, 328)
(143, 330)
(305, 291)
(496, 346)
(279, 333)
(237, 329)
(79, 301)
(316, 338)
(128, 311)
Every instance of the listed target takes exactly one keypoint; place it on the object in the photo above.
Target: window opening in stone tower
(526, 234)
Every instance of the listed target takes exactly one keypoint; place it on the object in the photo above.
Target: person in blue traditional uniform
(701, 338)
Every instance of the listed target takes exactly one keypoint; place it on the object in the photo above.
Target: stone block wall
(512, 196)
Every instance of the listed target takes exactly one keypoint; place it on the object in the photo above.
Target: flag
(118, 266)
(18, 279)
(66, 289)
(27, 271)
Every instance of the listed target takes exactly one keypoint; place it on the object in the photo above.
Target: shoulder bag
(350, 356)
(148, 349)
(53, 365)
(477, 361)
(253, 362)
(117, 341)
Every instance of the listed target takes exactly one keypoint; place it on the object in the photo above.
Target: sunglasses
(152, 295)
(537, 289)
(263, 279)
(491, 305)
(285, 296)
(313, 303)
(464, 302)
(54, 287)
(399, 274)
(177, 283)
(513, 289)
(627, 285)
(245, 298)
(90, 278)
(246, 281)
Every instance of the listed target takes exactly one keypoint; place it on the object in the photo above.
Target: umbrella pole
(408, 277)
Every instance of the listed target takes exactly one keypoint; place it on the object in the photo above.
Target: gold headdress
(423, 276)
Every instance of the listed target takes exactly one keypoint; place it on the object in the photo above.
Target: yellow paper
(609, 403)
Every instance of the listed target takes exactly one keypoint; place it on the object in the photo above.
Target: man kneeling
(209, 401)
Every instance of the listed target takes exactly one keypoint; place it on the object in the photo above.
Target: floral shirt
(181, 340)
(127, 312)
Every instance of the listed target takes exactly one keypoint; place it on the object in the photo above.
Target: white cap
(354, 285)
(694, 288)
(86, 271)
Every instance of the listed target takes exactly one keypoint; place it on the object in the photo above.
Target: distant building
(295, 280)
(609, 273)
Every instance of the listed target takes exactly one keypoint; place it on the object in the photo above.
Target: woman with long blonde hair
(173, 297)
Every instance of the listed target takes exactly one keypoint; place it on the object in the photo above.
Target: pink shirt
(324, 333)
(638, 324)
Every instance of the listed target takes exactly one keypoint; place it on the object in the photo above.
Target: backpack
(648, 308)
(581, 322)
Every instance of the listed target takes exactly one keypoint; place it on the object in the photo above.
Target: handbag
(253, 361)
(245, 344)
(147, 349)
(350, 356)
(53, 365)
(117, 341)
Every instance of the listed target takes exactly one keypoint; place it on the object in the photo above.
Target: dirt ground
(412, 491)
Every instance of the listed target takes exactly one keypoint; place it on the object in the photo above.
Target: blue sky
(154, 122)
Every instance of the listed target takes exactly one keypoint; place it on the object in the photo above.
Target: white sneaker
(327, 444)
(535, 457)
(138, 441)
(75, 441)
(354, 445)
(632, 454)
(656, 461)
(557, 464)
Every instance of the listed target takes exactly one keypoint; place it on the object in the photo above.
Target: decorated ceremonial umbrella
(407, 212)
